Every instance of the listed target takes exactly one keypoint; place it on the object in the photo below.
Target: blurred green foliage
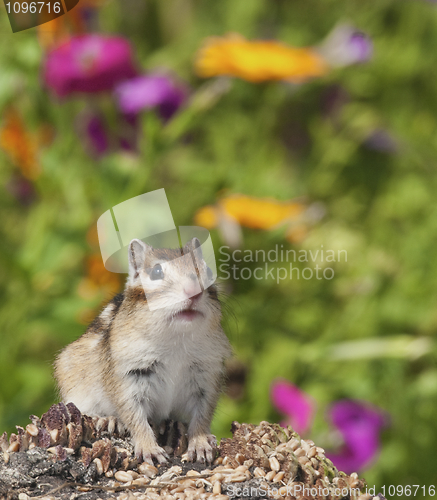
(269, 140)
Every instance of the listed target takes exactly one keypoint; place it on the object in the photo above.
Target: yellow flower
(258, 60)
(207, 217)
(260, 213)
(236, 211)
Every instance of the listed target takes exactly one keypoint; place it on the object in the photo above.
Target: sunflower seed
(192, 473)
(15, 446)
(258, 472)
(274, 464)
(293, 444)
(99, 466)
(123, 476)
(270, 475)
(32, 429)
(141, 481)
(237, 478)
(279, 476)
(147, 470)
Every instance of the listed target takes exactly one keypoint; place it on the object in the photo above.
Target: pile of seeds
(65, 431)
(68, 455)
(297, 467)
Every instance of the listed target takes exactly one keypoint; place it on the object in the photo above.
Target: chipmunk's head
(176, 282)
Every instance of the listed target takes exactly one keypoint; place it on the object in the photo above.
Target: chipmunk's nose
(192, 288)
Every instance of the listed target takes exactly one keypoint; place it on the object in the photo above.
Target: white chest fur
(169, 372)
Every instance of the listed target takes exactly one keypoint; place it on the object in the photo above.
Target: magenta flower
(295, 404)
(360, 425)
(88, 63)
(150, 91)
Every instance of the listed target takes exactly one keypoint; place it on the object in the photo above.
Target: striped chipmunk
(140, 365)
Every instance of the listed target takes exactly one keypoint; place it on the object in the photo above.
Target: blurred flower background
(303, 126)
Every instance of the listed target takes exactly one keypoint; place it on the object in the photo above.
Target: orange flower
(98, 279)
(97, 273)
(20, 144)
(258, 60)
(53, 33)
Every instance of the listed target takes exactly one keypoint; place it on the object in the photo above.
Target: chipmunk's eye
(209, 273)
(157, 273)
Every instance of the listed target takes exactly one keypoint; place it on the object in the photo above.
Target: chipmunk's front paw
(148, 453)
(202, 448)
(111, 425)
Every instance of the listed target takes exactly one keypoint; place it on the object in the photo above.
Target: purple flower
(360, 425)
(291, 401)
(360, 47)
(88, 63)
(100, 139)
(150, 91)
(333, 100)
(22, 190)
(97, 135)
(382, 140)
(345, 45)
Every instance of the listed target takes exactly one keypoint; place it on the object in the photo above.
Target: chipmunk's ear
(137, 257)
(193, 244)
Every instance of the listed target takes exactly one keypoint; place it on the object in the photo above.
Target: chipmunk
(143, 366)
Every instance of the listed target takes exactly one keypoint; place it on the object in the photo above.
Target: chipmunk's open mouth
(188, 314)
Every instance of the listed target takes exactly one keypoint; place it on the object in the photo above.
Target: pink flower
(359, 423)
(88, 63)
(291, 401)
